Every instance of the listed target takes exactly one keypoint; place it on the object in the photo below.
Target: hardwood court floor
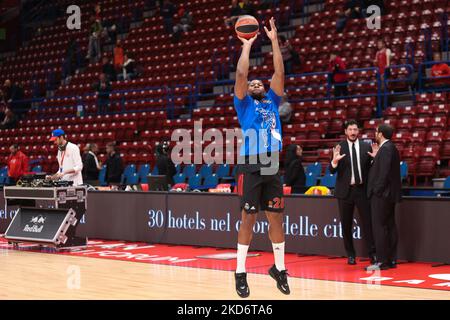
(31, 275)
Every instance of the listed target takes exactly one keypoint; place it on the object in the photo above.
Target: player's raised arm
(277, 83)
(240, 87)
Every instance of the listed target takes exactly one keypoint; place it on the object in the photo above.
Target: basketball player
(259, 189)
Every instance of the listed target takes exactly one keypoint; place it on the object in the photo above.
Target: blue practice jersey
(260, 123)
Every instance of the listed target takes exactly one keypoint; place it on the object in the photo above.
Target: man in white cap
(69, 159)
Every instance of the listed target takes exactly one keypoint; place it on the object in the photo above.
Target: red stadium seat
(441, 110)
(404, 125)
(392, 113)
(438, 123)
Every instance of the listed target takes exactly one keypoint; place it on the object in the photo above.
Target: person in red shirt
(440, 69)
(337, 68)
(17, 164)
(118, 55)
(97, 12)
(383, 60)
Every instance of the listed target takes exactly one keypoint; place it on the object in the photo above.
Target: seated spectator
(118, 55)
(108, 69)
(167, 12)
(3, 105)
(112, 34)
(285, 110)
(91, 165)
(103, 88)
(9, 120)
(128, 68)
(338, 76)
(184, 25)
(248, 8)
(294, 175)
(440, 69)
(114, 165)
(353, 9)
(13, 94)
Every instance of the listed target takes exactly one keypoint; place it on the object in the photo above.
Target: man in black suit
(114, 165)
(351, 161)
(91, 165)
(384, 190)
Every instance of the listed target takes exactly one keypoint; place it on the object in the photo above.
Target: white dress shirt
(68, 160)
(352, 181)
(383, 142)
(95, 158)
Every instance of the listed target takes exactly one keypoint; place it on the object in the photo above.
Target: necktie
(355, 165)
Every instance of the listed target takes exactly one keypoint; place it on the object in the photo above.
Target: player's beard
(258, 96)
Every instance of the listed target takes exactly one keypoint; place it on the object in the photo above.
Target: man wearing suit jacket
(384, 191)
(351, 161)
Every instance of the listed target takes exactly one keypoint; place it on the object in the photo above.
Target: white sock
(241, 257)
(278, 253)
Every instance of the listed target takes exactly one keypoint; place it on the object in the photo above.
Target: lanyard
(62, 161)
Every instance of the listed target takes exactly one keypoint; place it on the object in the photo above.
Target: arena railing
(121, 103)
(390, 82)
(194, 94)
(226, 86)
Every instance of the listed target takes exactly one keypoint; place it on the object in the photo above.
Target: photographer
(164, 164)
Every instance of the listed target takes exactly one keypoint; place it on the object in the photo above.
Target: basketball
(246, 27)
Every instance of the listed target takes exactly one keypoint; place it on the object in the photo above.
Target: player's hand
(337, 156)
(375, 148)
(272, 34)
(248, 42)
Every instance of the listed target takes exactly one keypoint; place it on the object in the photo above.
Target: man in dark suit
(114, 165)
(351, 161)
(91, 165)
(384, 190)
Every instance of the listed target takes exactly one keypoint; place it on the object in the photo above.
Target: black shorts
(260, 192)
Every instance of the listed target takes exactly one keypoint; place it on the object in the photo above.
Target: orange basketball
(246, 26)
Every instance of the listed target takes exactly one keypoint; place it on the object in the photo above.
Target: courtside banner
(6, 214)
(123, 216)
(311, 223)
